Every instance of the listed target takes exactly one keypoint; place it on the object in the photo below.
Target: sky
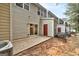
(57, 9)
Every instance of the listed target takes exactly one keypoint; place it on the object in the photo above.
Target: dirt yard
(54, 47)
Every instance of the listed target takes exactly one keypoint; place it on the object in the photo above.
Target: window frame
(27, 6)
(18, 4)
(38, 12)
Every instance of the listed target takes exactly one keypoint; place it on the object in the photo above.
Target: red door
(45, 28)
(59, 29)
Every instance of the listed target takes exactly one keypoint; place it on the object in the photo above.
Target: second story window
(49, 15)
(45, 13)
(26, 6)
(20, 4)
(41, 12)
(38, 12)
(61, 22)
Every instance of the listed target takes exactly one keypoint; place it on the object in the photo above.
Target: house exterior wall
(62, 26)
(50, 27)
(34, 18)
(33, 8)
(19, 22)
(4, 21)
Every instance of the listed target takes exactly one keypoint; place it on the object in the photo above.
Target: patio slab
(22, 44)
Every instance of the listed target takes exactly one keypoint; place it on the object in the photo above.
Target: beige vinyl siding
(33, 8)
(19, 22)
(21, 19)
(4, 21)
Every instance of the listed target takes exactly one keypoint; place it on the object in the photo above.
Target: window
(26, 6)
(38, 12)
(61, 22)
(49, 15)
(20, 4)
(41, 12)
(66, 23)
(44, 13)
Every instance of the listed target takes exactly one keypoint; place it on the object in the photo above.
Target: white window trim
(23, 6)
(16, 5)
(26, 4)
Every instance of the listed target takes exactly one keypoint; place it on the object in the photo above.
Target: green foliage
(73, 14)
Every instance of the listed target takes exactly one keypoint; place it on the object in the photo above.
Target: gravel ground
(54, 47)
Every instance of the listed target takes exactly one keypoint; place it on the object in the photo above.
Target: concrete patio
(22, 44)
